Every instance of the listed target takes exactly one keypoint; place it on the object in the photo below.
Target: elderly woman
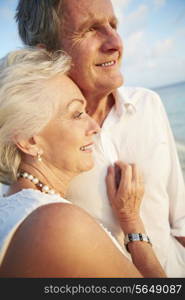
(46, 138)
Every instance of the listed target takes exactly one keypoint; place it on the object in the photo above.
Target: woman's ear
(27, 146)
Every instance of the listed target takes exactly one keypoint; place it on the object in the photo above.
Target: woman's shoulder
(62, 240)
(56, 219)
(62, 215)
(56, 233)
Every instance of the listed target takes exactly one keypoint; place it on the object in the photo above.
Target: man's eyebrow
(75, 100)
(89, 22)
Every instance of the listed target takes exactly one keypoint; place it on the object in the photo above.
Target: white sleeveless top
(15, 209)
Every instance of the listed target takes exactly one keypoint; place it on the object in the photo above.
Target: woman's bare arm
(61, 240)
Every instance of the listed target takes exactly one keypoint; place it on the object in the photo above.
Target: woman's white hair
(24, 108)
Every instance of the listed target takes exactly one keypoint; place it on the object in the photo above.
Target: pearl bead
(45, 189)
(30, 177)
(35, 180)
(25, 175)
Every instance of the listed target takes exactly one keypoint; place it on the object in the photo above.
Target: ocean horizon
(173, 98)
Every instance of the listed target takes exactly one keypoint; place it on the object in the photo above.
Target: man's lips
(107, 64)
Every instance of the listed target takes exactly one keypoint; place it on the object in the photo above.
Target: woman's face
(67, 139)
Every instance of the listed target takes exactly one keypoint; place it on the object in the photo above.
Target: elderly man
(134, 126)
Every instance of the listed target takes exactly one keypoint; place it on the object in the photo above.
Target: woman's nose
(94, 128)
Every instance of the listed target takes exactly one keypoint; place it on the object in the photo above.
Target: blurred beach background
(153, 32)
(173, 97)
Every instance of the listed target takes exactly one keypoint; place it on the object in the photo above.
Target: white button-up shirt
(137, 131)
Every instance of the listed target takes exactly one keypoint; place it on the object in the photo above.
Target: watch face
(135, 237)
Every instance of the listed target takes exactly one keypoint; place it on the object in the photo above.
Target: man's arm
(176, 187)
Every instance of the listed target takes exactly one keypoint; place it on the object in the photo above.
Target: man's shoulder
(140, 93)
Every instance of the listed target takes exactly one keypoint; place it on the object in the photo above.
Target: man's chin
(116, 82)
(110, 85)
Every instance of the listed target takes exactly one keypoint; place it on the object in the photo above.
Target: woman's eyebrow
(75, 100)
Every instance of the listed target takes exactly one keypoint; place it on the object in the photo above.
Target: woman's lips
(87, 148)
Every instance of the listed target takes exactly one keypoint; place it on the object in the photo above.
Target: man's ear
(41, 46)
(27, 146)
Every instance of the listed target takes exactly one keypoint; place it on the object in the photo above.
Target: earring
(39, 158)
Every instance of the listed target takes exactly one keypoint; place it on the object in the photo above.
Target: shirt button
(130, 109)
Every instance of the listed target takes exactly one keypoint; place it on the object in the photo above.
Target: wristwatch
(133, 237)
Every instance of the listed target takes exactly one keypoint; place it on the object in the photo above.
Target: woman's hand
(125, 191)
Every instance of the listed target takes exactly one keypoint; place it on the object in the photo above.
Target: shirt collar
(124, 102)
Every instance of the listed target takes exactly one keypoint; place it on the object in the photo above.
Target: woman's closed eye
(78, 115)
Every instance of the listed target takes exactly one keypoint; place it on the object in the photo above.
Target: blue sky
(153, 32)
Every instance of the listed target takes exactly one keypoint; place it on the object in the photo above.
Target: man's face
(89, 36)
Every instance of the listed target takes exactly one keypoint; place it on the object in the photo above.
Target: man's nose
(112, 41)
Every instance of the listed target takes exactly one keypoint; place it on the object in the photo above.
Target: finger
(135, 179)
(135, 174)
(117, 175)
(126, 179)
(119, 165)
(110, 183)
(139, 180)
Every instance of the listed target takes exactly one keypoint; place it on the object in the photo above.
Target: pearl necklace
(44, 188)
